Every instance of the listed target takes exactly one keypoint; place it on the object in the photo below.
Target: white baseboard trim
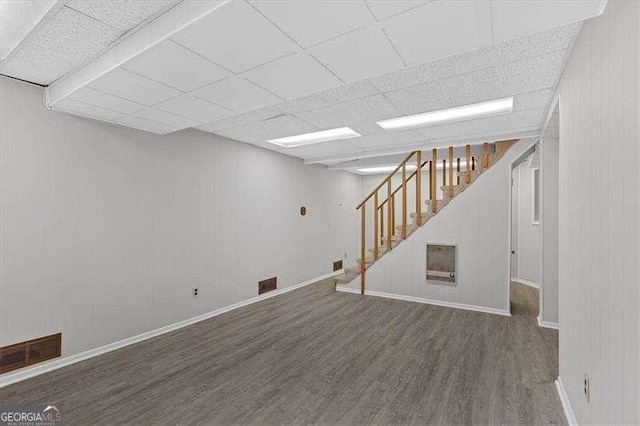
(525, 282)
(45, 367)
(548, 324)
(566, 405)
(427, 301)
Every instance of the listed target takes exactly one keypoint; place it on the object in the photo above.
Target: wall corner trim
(27, 373)
(434, 302)
(566, 405)
(548, 324)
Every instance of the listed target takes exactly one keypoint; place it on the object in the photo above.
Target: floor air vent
(30, 352)
(267, 285)
(337, 265)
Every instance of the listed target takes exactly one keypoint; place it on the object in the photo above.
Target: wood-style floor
(317, 356)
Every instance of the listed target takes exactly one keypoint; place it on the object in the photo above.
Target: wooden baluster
(393, 215)
(485, 155)
(444, 175)
(381, 213)
(389, 213)
(451, 172)
(458, 171)
(418, 219)
(375, 227)
(468, 152)
(404, 200)
(363, 248)
(434, 195)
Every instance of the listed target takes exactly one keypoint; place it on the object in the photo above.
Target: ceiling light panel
(436, 30)
(133, 87)
(105, 100)
(237, 94)
(466, 112)
(194, 108)
(175, 66)
(236, 37)
(384, 169)
(293, 76)
(383, 9)
(375, 55)
(315, 137)
(313, 21)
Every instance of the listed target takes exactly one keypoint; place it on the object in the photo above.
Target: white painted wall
(549, 176)
(478, 222)
(528, 251)
(105, 230)
(599, 218)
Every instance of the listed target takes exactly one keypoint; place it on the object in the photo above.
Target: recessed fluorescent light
(383, 169)
(466, 112)
(316, 137)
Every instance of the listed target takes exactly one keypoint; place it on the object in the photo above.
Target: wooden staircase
(458, 173)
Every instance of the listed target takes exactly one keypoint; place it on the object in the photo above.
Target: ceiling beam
(528, 132)
(166, 25)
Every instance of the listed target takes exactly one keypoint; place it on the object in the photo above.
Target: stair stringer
(477, 221)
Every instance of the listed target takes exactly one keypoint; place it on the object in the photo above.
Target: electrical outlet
(587, 387)
(195, 292)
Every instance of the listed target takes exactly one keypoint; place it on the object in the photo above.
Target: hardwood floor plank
(317, 356)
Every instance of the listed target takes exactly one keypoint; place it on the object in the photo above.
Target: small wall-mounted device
(441, 264)
(303, 211)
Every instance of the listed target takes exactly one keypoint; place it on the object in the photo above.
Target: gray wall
(599, 217)
(529, 236)
(105, 230)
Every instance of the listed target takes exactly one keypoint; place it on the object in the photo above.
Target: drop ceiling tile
(194, 108)
(175, 66)
(167, 118)
(486, 57)
(360, 110)
(55, 50)
(237, 94)
(133, 87)
(315, 21)
(435, 30)
(121, 14)
(281, 126)
(391, 139)
(241, 119)
(383, 9)
(359, 55)
(367, 128)
(529, 75)
(236, 37)
(146, 125)
(347, 92)
(293, 76)
(75, 107)
(511, 19)
(105, 100)
(532, 100)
